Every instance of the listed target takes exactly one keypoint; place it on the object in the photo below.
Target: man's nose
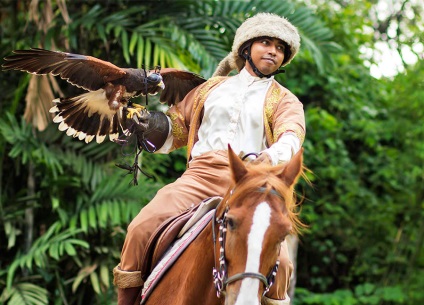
(272, 50)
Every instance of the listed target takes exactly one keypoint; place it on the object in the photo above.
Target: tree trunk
(29, 212)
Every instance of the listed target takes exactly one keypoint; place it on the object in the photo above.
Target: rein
(220, 275)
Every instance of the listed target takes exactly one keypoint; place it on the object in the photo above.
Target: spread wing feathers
(177, 84)
(85, 117)
(82, 71)
(91, 115)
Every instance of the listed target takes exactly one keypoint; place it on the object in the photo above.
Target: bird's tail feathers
(87, 116)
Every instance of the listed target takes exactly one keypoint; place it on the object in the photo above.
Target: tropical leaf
(50, 245)
(24, 294)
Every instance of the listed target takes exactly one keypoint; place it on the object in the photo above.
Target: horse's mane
(264, 175)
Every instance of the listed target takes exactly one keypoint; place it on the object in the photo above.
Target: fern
(52, 245)
(24, 294)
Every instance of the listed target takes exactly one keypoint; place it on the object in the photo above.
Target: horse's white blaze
(250, 286)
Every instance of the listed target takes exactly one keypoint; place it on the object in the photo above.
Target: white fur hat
(260, 25)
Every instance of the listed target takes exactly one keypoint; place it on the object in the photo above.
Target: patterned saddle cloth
(199, 218)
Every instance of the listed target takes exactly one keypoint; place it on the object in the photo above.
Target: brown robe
(207, 175)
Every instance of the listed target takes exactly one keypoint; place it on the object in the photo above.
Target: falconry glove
(151, 129)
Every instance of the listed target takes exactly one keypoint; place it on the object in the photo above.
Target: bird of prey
(102, 110)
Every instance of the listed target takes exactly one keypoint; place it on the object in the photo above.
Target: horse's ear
(237, 167)
(293, 169)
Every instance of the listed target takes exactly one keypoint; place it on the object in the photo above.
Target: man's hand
(262, 158)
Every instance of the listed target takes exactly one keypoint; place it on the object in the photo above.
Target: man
(250, 111)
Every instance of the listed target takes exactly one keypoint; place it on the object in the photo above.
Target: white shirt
(233, 114)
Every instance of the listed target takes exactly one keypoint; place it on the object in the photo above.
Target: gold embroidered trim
(269, 111)
(290, 127)
(177, 130)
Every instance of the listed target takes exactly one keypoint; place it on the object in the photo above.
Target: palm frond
(24, 294)
(52, 245)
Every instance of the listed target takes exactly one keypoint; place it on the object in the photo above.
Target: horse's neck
(189, 280)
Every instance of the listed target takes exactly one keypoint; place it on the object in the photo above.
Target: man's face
(267, 54)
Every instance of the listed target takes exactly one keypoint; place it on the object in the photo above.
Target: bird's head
(155, 83)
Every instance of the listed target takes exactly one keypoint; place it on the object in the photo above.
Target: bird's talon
(138, 106)
(134, 111)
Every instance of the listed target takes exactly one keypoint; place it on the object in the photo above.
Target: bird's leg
(115, 95)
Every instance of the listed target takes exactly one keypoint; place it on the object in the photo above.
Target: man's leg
(277, 295)
(200, 181)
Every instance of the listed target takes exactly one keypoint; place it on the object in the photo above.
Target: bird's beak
(161, 85)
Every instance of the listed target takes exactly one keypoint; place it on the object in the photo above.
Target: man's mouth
(271, 60)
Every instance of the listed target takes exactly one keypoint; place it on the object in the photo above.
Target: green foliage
(69, 210)
(365, 294)
(25, 293)
(51, 245)
(365, 209)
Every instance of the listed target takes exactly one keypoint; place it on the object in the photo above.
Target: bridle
(220, 276)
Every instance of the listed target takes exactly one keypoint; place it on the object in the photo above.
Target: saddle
(172, 229)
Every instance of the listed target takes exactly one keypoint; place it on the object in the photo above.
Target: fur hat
(260, 25)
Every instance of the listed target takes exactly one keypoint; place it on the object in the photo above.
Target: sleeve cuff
(284, 149)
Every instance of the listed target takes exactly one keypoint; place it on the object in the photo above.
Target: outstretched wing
(99, 113)
(83, 71)
(177, 84)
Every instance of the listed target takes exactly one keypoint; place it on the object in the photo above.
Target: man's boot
(129, 296)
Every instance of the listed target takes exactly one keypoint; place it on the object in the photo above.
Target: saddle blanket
(191, 231)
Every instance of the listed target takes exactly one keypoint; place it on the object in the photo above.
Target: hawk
(101, 110)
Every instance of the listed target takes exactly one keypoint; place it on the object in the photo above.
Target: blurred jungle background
(65, 206)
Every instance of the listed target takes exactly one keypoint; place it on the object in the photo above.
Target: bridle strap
(220, 273)
(240, 276)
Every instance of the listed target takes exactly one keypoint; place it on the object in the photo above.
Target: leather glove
(151, 129)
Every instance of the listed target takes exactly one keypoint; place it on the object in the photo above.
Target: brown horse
(234, 259)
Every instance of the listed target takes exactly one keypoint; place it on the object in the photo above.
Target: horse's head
(255, 216)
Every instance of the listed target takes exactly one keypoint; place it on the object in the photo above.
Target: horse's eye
(231, 224)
